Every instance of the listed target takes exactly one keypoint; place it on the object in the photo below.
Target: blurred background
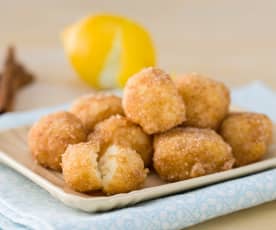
(233, 41)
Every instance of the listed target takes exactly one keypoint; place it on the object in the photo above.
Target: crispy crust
(249, 134)
(183, 153)
(152, 101)
(120, 131)
(207, 101)
(94, 108)
(80, 167)
(50, 136)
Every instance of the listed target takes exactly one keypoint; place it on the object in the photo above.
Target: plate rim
(104, 203)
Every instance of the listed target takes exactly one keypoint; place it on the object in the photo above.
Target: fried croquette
(249, 135)
(152, 101)
(50, 136)
(120, 131)
(94, 108)
(183, 153)
(122, 170)
(207, 101)
(80, 167)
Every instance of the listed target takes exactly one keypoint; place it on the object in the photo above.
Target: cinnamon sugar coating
(207, 101)
(249, 134)
(120, 131)
(152, 101)
(80, 167)
(184, 153)
(94, 108)
(50, 136)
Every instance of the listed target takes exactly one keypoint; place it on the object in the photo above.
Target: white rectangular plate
(14, 153)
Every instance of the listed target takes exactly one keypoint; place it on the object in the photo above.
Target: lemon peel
(105, 50)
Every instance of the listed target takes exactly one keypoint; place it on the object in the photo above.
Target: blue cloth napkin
(24, 205)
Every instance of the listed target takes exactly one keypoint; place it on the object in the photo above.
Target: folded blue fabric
(24, 205)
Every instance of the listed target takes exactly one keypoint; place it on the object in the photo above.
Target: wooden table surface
(234, 41)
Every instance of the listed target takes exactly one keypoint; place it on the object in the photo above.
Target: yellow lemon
(105, 50)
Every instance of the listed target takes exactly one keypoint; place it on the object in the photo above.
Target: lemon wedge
(105, 50)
